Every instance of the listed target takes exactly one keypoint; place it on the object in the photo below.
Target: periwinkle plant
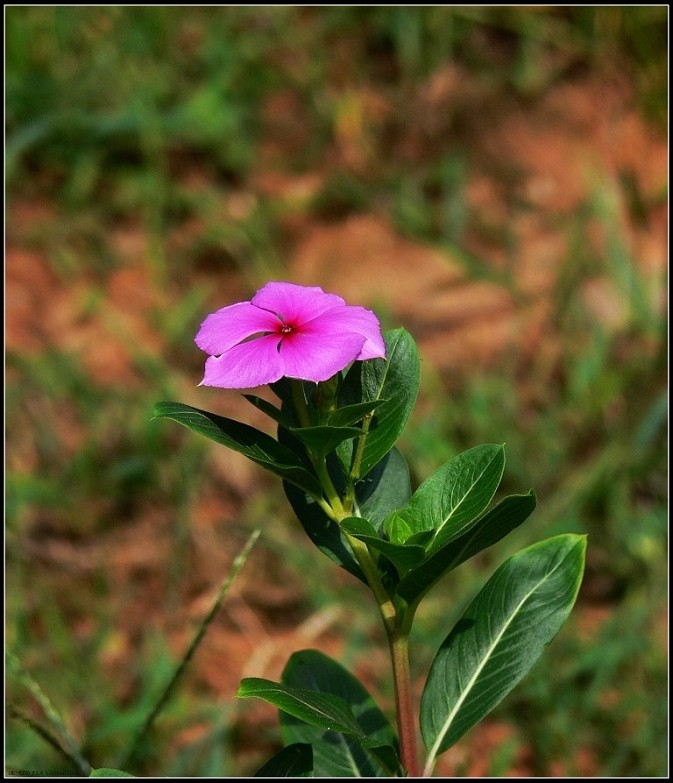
(345, 393)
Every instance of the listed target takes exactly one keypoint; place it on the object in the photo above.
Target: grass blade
(58, 735)
(238, 563)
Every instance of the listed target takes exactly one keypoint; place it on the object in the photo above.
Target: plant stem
(299, 401)
(397, 624)
(357, 460)
(406, 723)
(333, 499)
(386, 606)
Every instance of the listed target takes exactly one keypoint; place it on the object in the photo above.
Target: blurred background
(492, 179)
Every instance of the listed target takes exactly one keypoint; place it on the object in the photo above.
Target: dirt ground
(583, 131)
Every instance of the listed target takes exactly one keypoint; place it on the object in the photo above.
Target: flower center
(286, 329)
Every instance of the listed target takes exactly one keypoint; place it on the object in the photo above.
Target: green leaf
(385, 488)
(270, 410)
(421, 539)
(283, 390)
(449, 500)
(397, 528)
(324, 439)
(257, 446)
(393, 382)
(323, 532)
(338, 755)
(496, 523)
(322, 710)
(351, 414)
(499, 638)
(108, 772)
(386, 755)
(294, 761)
(402, 557)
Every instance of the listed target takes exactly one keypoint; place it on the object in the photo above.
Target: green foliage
(292, 761)
(336, 755)
(392, 385)
(324, 711)
(255, 445)
(518, 612)
(385, 488)
(403, 556)
(188, 91)
(490, 528)
(450, 499)
(499, 638)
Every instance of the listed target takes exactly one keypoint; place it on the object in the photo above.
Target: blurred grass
(146, 119)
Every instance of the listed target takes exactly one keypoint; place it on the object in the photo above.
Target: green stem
(332, 506)
(357, 460)
(397, 623)
(333, 499)
(300, 406)
(371, 572)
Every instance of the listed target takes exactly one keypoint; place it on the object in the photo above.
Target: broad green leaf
(315, 671)
(385, 488)
(496, 523)
(335, 754)
(401, 556)
(393, 382)
(270, 410)
(499, 638)
(257, 446)
(352, 414)
(108, 772)
(293, 761)
(386, 755)
(322, 710)
(323, 439)
(449, 500)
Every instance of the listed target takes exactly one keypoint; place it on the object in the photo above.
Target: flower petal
(231, 325)
(254, 363)
(351, 318)
(295, 303)
(318, 356)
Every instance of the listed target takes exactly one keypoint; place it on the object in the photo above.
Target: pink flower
(286, 330)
